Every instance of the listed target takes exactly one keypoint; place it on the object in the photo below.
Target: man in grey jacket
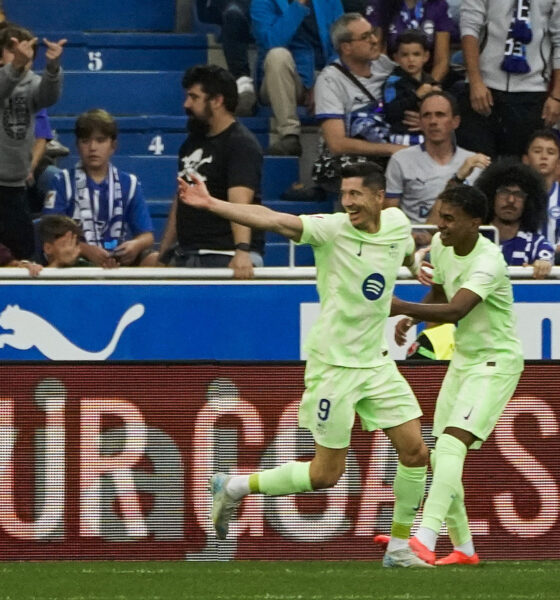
(512, 55)
(22, 94)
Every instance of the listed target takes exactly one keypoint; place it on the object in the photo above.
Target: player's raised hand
(22, 50)
(54, 49)
(426, 273)
(196, 194)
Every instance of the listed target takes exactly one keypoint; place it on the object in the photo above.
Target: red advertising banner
(111, 461)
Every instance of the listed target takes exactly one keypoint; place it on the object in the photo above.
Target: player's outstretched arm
(436, 295)
(251, 215)
(459, 306)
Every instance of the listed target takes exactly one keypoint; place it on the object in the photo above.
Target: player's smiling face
(362, 204)
(456, 227)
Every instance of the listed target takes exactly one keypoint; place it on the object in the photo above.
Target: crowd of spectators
(436, 92)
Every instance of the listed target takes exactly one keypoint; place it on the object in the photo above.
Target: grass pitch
(317, 580)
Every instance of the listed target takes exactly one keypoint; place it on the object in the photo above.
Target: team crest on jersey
(373, 286)
(554, 212)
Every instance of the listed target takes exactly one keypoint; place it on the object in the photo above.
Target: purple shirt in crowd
(429, 16)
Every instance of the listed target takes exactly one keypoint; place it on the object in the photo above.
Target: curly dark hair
(512, 172)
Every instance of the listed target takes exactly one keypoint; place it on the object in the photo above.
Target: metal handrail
(166, 274)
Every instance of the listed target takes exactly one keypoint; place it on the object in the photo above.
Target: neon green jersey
(488, 332)
(356, 273)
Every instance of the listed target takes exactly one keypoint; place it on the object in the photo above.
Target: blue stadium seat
(93, 15)
(122, 92)
(151, 134)
(117, 58)
(128, 51)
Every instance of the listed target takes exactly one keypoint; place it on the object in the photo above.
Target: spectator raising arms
(22, 94)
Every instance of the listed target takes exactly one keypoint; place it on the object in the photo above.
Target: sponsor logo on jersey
(373, 286)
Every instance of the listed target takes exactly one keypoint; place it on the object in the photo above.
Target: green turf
(275, 581)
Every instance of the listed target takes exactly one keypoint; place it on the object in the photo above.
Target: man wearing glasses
(517, 204)
(353, 128)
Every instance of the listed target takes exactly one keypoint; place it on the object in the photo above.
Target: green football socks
(408, 487)
(289, 478)
(456, 519)
(447, 487)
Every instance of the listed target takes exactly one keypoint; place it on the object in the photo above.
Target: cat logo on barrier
(29, 329)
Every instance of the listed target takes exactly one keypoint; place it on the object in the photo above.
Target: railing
(182, 273)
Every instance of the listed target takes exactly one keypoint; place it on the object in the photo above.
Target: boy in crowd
(407, 85)
(60, 242)
(543, 156)
(22, 94)
(107, 202)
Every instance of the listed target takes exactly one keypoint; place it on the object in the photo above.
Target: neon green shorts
(333, 395)
(473, 400)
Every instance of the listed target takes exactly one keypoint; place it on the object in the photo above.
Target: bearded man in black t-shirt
(227, 156)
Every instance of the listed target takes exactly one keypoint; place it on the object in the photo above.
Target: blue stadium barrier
(93, 15)
(127, 51)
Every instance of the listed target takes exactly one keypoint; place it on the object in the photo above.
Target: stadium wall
(111, 461)
(182, 319)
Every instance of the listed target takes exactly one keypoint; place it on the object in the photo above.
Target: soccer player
(358, 254)
(470, 287)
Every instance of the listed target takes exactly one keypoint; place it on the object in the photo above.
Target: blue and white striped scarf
(519, 35)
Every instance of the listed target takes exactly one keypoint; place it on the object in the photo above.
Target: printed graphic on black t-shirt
(232, 158)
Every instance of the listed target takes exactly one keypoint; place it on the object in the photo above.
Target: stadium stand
(130, 62)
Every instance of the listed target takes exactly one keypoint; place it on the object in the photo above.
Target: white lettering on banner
(94, 464)
(30, 329)
(536, 474)
(530, 328)
(223, 399)
(111, 473)
(50, 396)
